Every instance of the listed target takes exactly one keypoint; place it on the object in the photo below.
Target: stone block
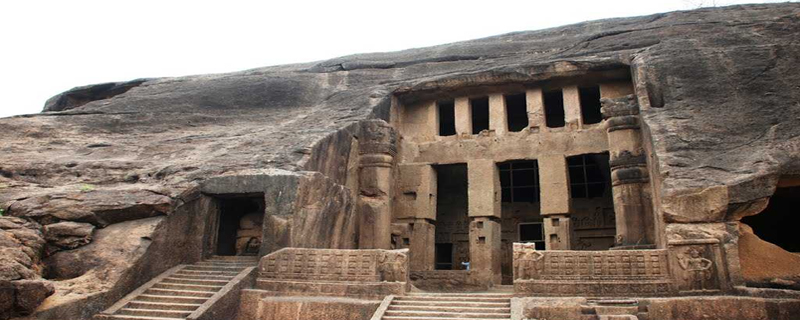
(535, 102)
(572, 107)
(706, 205)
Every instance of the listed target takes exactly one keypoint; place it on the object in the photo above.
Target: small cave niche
(240, 221)
(447, 117)
(480, 114)
(779, 221)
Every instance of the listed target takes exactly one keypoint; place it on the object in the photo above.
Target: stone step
(194, 287)
(201, 276)
(613, 302)
(435, 318)
(450, 309)
(434, 314)
(208, 272)
(212, 268)
(460, 295)
(233, 258)
(179, 293)
(170, 299)
(618, 317)
(137, 304)
(154, 313)
(127, 317)
(195, 280)
(451, 299)
(616, 310)
(396, 302)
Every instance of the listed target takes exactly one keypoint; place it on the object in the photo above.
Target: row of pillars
(535, 109)
(629, 186)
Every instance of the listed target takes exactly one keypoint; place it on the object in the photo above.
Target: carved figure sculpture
(698, 269)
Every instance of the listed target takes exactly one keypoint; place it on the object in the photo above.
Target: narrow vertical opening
(516, 112)
(452, 220)
(554, 108)
(594, 226)
(590, 104)
(480, 114)
(447, 117)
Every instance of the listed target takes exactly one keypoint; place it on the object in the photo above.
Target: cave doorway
(452, 220)
(778, 222)
(239, 225)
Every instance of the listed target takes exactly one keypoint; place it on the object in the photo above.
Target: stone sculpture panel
(336, 265)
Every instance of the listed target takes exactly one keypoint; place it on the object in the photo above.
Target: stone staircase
(447, 306)
(182, 292)
(613, 309)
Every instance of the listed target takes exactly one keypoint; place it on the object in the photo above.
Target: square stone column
(556, 202)
(416, 194)
(554, 185)
(463, 116)
(535, 106)
(558, 232)
(497, 114)
(572, 107)
(422, 245)
(483, 188)
(485, 250)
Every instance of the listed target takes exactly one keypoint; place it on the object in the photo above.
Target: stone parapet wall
(372, 265)
(597, 273)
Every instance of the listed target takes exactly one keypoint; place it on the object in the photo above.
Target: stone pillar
(376, 155)
(497, 114)
(463, 116)
(572, 107)
(629, 175)
(422, 245)
(556, 202)
(535, 106)
(484, 213)
(485, 250)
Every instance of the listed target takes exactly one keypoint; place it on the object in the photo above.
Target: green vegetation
(87, 188)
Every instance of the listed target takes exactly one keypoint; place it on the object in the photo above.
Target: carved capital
(627, 159)
(619, 107)
(629, 175)
(376, 137)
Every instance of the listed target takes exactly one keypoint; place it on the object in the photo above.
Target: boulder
(67, 235)
(29, 294)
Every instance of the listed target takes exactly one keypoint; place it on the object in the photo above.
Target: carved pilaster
(629, 173)
(377, 149)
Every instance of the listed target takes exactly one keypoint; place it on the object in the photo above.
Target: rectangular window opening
(589, 175)
(516, 112)
(519, 181)
(447, 118)
(554, 108)
(590, 104)
(480, 114)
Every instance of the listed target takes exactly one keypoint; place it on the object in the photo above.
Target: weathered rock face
(722, 123)
(21, 287)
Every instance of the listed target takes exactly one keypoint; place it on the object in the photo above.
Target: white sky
(51, 46)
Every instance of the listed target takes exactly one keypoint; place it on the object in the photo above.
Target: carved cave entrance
(239, 224)
(452, 221)
(778, 222)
